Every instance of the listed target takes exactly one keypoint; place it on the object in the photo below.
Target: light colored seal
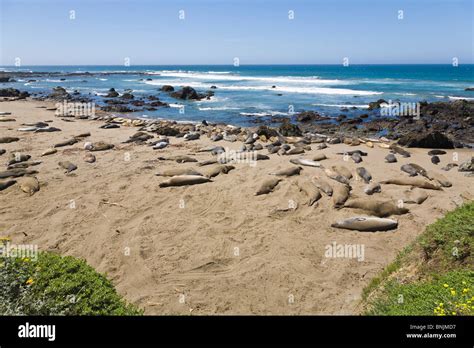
(335, 176)
(322, 185)
(340, 195)
(49, 152)
(216, 170)
(364, 174)
(101, 146)
(319, 157)
(68, 166)
(310, 189)
(295, 151)
(342, 171)
(375, 207)
(417, 182)
(66, 142)
(443, 181)
(29, 184)
(267, 186)
(366, 223)
(372, 188)
(288, 171)
(178, 171)
(178, 158)
(305, 162)
(18, 157)
(207, 162)
(89, 158)
(414, 196)
(183, 180)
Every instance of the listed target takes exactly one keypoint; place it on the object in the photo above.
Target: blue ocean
(250, 94)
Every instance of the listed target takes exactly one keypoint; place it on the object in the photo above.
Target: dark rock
(376, 104)
(112, 93)
(167, 88)
(288, 129)
(116, 108)
(213, 87)
(307, 116)
(127, 95)
(12, 92)
(427, 140)
(168, 131)
(266, 131)
(470, 89)
(187, 93)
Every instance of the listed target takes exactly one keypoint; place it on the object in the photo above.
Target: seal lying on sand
(13, 173)
(335, 176)
(340, 195)
(376, 207)
(101, 146)
(417, 182)
(342, 171)
(6, 184)
(6, 140)
(17, 158)
(68, 166)
(372, 188)
(366, 223)
(310, 189)
(319, 157)
(222, 168)
(49, 152)
(178, 171)
(407, 168)
(207, 162)
(390, 158)
(443, 181)
(89, 158)
(305, 162)
(23, 164)
(288, 171)
(399, 150)
(322, 185)
(267, 186)
(414, 196)
(66, 142)
(183, 180)
(29, 185)
(364, 174)
(179, 159)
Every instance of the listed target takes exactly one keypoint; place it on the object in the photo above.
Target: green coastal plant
(57, 285)
(433, 275)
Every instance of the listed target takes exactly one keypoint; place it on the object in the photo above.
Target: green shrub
(57, 285)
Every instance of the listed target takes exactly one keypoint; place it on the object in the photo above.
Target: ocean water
(246, 95)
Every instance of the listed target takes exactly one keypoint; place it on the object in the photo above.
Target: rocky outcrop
(188, 93)
(12, 92)
(112, 93)
(427, 140)
(376, 104)
(167, 88)
(290, 130)
(310, 116)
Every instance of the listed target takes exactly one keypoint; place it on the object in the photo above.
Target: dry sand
(226, 250)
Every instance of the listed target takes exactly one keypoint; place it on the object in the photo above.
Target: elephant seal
(23, 164)
(390, 158)
(342, 171)
(378, 208)
(399, 150)
(414, 196)
(356, 158)
(305, 162)
(420, 170)
(89, 158)
(335, 176)
(416, 182)
(178, 171)
(295, 151)
(449, 166)
(49, 152)
(364, 174)
(350, 153)
(322, 185)
(273, 149)
(66, 142)
(436, 152)
(6, 184)
(319, 157)
(310, 189)
(321, 146)
(17, 158)
(29, 185)
(101, 146)
(443, 181)
(267, 186)
(340, 195)
(372, 188)
(222, 168)
(288, 171)
(407, 168)
(2, 151)
(207, 162)
(183, 180)
(14, 173)
(435, 159)
(68, 166)
(6, 140)
(366, 223)
(178, 159)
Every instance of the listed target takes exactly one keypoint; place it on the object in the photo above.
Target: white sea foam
(362, 106)
(220, 108)
(264, 113)
(459, 98)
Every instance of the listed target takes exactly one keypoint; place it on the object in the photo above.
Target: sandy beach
(213, 248)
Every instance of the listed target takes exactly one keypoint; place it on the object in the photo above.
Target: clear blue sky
(104, 32)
